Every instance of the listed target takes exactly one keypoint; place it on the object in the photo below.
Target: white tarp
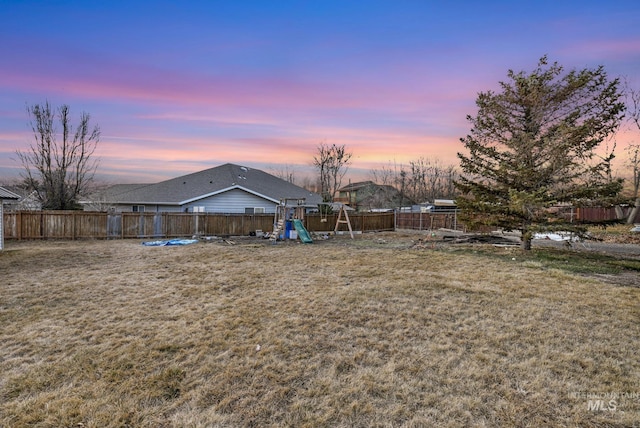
(559, 236)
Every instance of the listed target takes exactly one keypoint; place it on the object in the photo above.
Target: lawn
(341, 333)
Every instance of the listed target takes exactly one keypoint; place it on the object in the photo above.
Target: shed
(5, 195)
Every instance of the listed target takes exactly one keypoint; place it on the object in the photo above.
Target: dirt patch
(625, 279)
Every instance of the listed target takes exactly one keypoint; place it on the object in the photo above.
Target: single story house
(5, 195)
(369, 196)
(226, 189)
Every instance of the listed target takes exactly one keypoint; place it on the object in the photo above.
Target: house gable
(199, 198)
(235, 200)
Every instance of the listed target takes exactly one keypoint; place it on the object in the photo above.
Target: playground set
(288, 222)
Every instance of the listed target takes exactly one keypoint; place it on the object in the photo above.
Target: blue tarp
(169, 242)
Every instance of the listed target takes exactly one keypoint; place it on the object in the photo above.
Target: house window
(255, 210)
(137, 208)
(197, 209)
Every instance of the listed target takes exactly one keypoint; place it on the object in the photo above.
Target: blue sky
(181, 86)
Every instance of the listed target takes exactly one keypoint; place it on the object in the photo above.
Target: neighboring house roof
(6, 194)
(27, 200)
(444, 202)
(202, 184)
(351, 187)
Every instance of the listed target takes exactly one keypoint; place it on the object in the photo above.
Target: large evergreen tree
(534, 145)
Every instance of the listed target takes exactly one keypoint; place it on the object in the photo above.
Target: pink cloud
(115, 80)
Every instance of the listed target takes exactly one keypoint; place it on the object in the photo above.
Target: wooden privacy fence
(98, 225)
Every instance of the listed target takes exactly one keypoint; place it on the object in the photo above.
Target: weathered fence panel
(320, 223)
(182, 224)
(90, 226)
(362, 222)
(114, 226)
(594, 214)
(97, 225)
(236, 225)
(29, 225)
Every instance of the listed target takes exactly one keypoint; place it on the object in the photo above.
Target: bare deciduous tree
(332, 162)
(423, 180)
(285, 172)
(59, 166)
(310, 183)
(386, 175)
(430, 179)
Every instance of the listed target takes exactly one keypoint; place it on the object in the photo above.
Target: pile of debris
(433, 241)
(495, 240)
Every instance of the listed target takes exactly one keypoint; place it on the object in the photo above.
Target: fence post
(19, 225)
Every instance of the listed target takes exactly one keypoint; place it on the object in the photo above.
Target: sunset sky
(177, 87)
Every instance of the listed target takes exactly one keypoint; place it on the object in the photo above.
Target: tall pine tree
(533, 145)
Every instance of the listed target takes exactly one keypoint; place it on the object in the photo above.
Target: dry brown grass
(364, 333)
(618, 233)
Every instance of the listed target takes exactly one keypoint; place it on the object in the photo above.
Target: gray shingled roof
(5, 194)
(191, 187)
(356, 186)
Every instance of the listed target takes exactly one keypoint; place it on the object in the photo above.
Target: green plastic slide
(302, 232)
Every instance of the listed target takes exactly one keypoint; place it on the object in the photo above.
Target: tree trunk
(634, 212)
(527, 236)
